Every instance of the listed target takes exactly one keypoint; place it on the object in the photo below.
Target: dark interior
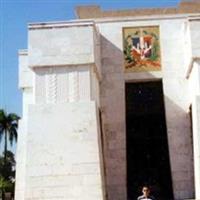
(147, 145)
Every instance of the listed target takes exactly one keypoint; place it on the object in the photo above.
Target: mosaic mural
(142, 49)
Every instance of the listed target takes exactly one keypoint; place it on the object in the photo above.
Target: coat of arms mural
(142, 49)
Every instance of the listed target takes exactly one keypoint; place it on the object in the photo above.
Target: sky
(14, 17)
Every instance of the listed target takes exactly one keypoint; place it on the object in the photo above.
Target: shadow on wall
(113, 104)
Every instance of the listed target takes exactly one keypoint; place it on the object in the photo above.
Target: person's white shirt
(145, 198)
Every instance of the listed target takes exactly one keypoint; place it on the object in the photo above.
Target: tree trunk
(5, 147)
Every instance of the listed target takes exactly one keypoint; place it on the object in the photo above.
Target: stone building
(111, 102)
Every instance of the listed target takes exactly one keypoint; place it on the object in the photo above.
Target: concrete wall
(60, 130)
(59, 150)
(26, 78)
(58, 154)
(194, 80)
(25, 73)
(62, 84)
(112, 94)
(65, 45)
(195, 36)
(62, 159)
(20, 185)
(176, 90)
(196, 139)
(26, 81)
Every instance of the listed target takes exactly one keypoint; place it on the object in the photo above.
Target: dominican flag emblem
(142, 49)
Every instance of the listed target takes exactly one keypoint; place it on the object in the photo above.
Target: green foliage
(7, 167)
(5, 185)
(155, 52)
(137, 33)
(8, 128)
(127, 50)
(7, 173)
(145, 32)
(155, 36)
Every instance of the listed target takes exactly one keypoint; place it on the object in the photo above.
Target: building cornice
(92, 22)
(60, 65)
(59, 24)
(148, 18)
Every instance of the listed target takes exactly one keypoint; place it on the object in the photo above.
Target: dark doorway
(147, 144)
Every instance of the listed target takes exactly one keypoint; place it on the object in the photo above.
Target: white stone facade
(70, 72)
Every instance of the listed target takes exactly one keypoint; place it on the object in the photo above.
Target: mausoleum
(111, 102)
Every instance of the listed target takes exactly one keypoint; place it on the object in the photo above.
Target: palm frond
(2, 115)
(8, 126)
(13, 117)
(12, 135)
(1, 135)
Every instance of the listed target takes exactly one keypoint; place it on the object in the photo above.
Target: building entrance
(147, 144)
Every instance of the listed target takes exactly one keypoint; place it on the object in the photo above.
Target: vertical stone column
(194, 24)
(196, 143)
(194, 79)
(112, 99)
(194, 83)
(26, 85)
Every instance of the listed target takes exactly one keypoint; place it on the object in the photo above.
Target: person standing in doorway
(146, 194)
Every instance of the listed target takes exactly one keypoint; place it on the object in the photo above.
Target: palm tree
(8, 128)
(7, 170)
(4, 186)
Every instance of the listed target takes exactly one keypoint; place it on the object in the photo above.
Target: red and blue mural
(142, 49)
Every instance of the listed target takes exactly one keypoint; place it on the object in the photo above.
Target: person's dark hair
(146, 186)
